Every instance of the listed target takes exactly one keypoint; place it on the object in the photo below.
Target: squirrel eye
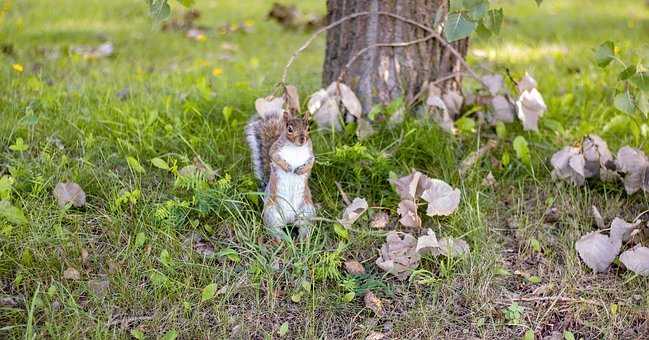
(290, 129)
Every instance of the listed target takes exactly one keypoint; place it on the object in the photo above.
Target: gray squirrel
(282, 158)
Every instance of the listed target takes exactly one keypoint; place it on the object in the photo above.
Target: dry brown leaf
(406, 186)
(324, 108)
(621, 229)
(568, 163)
(353, 212)
(442, 198)
(451, 247)
(379, 220)
(438, 109)
(364, 129)
(597, 250)
(292, 99)
(596, 156)
(269, 105)
(71, 274)
(527, 83)
(636, 260)
(494, 83)
(427, 244)
(199, 245)
(348, 99)
(354, 267)
(503, 110)
(374, 303)
(408, 212)
(398, 255)
(489, 180)
(633, 163)
(69, 192)
(599, 220)
(453, 101)
(99, 287)
(375, 336)
(530, 108)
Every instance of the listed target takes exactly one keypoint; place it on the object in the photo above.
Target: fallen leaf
(453, 101)
(494, 83)
(269, 105)
(427, 243)
(527, 83)
(408, 212)
(398, 255)
(597, 250)
(71, 274)
(292, 99)
(98, 287)
(438, 109)
(374, 303)
(636, 260)
(621, 229)
(375, 336)
(489, 180)
(199, 245)
(442, 198)
(568, 163)
(599, 220)
(325, 110)
(364, 129)
(596, 156)
(530, 107)
(353, 212)
(503, 110)
(348, 98)
(354, 267)
(633, 163)
(379, 220)
(451, 247)
(69, 192)
(406, 186)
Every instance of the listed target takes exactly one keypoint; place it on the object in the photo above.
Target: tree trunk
(383, 74)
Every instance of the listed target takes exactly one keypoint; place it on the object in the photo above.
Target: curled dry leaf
(347, 97)
(269, 105)
(438, 109)
(527, 83)
(292, 99)
(71, 274)
(451, 247)
(596, 156)
(411, 187)
(597, 250)
(489, 180)
(408, 212)
(633, 163)
(599, 220)
(427, 243)
(453, 101)
(398, 255)
(636, 260)
(324, 109)
(503, 110)
(494, 83)
(621, 229)
(374, 303)
(379, 220)
(530, 107)
(354, 267)
(353, 212)
(568, 164)
(69, 192)
(442, 198)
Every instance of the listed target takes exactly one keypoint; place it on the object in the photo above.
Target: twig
(433, 34)
(343, 194)
(509, 75)
(367, 48)
(125, 321)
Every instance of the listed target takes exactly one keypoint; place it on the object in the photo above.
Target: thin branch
(432, 34)
(367, 48)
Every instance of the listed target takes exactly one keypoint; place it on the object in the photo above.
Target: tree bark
(384, 74)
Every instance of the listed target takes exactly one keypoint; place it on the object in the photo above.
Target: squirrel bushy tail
(261, 133)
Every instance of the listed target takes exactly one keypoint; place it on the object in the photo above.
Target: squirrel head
(297, 129)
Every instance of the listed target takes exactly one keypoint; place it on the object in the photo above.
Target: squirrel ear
(286, 115)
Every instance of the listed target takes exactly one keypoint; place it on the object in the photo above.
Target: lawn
(163, 95)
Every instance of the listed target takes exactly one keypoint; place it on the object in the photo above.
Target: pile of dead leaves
(591, 158)
(288, 16)
(598, 250)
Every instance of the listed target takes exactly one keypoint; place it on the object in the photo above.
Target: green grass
(66, 110)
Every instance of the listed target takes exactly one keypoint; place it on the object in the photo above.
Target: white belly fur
(290, 186)
(295, 155)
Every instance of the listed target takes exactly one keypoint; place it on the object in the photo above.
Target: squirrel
(282, 158)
